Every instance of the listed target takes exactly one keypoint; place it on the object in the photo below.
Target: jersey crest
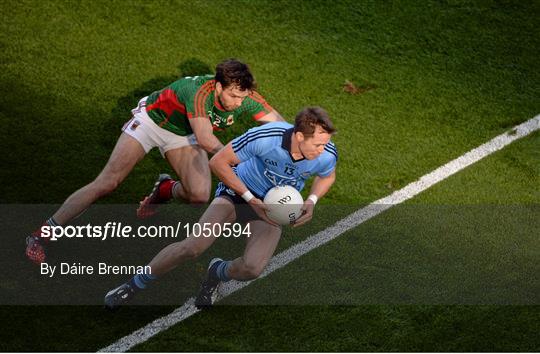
(219, 121)
(279, 180)
(266, 160)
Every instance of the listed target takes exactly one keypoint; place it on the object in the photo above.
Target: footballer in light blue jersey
(250, 165)
(266, 160)
(277, 154)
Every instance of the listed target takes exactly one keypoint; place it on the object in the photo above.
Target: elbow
(213, 163)
(330, 180)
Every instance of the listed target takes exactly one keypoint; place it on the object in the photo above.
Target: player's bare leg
(221, 210)
(190, 163)
(260, 247)
(126, 154)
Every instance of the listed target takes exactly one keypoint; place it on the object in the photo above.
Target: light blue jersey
(267, 161)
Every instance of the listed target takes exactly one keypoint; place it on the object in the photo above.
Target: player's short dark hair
(233, 72)
(309, 118)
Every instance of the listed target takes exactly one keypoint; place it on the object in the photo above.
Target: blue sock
(222, 269)
(51, 222)
(141, 281)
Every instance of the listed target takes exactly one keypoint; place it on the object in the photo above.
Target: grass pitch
(430, 81)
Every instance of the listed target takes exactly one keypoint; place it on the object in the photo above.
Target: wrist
(313, 198)
(247, 196)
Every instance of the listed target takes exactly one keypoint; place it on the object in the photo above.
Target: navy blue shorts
(244, 211)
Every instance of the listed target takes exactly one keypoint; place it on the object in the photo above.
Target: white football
(284, 204)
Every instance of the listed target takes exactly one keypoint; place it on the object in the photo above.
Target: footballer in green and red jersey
(179, 120)
(172, 107)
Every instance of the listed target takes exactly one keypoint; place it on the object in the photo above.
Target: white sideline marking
(356, 218)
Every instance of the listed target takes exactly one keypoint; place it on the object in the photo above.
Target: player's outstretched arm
(321, 186)
(202, 128)
(273, 116)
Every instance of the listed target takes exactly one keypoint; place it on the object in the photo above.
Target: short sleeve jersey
(266, 160)
(191, 97)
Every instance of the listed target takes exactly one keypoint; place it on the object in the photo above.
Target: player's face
(311, 147)
(231, 97)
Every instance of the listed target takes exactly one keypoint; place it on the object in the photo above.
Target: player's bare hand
(307, 213)
(261, 209)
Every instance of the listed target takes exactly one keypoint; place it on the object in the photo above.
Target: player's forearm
(210, 143)
(321, 185)
(226, 175)
(279, 118)
(273, 116)
(202, 128)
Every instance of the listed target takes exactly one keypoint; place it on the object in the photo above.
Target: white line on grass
(349, 222)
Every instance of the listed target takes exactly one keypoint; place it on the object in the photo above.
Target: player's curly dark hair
(234, 72)
(309, 118)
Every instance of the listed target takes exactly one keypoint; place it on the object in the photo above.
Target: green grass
(446, 77)
(354, 329)
(408, 255)
(429, 251)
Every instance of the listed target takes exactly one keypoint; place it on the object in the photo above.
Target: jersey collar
(286, 143)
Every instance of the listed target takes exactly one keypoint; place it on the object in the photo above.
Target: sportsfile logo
(111, 230)
(120, 230)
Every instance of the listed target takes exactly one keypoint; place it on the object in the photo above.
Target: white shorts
(149, 134)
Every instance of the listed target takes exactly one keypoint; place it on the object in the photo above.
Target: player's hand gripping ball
(284, 204)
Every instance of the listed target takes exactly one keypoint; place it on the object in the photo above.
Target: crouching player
(273, 154)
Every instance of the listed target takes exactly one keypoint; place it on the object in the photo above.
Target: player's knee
(199, 197)
(104, 186)
(190, 252)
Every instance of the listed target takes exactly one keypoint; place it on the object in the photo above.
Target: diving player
(273, 154)
(179, 120)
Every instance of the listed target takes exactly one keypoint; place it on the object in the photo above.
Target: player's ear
(219, 87)
(300, 136)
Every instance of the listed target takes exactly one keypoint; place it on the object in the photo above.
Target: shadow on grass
(51, 141)
(42, 143)
(55, 137)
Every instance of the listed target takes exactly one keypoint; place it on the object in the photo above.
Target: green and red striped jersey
(190, 97)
